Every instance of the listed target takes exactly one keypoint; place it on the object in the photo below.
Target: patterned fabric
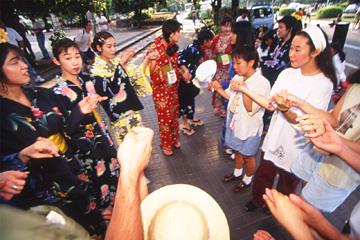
(166, 97)
(62, 181)
(113, 82)
(189, 57)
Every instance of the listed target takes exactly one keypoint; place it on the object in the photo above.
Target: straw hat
(183, 211)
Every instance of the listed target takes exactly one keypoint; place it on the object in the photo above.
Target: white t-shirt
(284, 142)
(82, 38)
(13, 36)
(239, 19)
(248, 124)
(101, 20)
(339, 68)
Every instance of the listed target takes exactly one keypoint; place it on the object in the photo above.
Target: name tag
(225, 59)
(171, 77)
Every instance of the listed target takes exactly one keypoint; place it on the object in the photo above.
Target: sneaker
(228, 151)
(232, 156)
(39, 79)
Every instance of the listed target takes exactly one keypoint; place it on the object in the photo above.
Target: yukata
(122, 90)
(189, 57)
(59, 181)
(96, 151)
(166, 96)
(221, 47)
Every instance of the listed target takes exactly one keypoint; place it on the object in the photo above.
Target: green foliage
(275, 9)
(343, 5)
(286, 11)
(330, 12)
(145, 14)
(163, 10)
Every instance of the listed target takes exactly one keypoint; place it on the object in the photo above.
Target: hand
(262, 235)
(215, 85)
(134, 152)
(237, 85)
(281, 99)
(42, 148)
(287, 213)
(153, 55)
(312, 124)
(11, 183)
(126, 57)
(186, 76)
(293, 100)
(89, 103)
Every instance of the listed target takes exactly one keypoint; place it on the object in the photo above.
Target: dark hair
(354, 76)
(270, 34)
(247, 53)
(291, 22)
(99, 39)
(324, 59)
(244, 33)
(5, 49)
(338, 49)
(225, 20)
(170, 26)
(63, 45)
(204, 34)
(86, 23)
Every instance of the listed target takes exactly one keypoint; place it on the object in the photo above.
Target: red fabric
(264, 178)
(228, 49)
(166, 97)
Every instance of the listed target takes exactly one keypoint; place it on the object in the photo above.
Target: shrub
(330, 12)
(275, 9)
(343, 5)
(164, 10)
(286, 11)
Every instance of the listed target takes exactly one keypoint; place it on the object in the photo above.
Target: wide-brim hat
(186, 195)
(205, 72)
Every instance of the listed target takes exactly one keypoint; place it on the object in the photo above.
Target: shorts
(308, 14)
(87, 56)
(317, 191)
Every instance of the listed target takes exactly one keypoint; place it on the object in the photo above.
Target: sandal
(187, 131)
(216, 111)
(196, 122)
(168, 152)
(177, 146)
(223, 114)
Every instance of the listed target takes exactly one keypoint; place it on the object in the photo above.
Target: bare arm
(216, 86)
(259, 99)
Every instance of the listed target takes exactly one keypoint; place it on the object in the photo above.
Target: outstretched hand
(126, 57)
(87, 104)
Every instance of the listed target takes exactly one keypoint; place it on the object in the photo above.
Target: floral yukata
(96, 150)
(122, 90)
(165, 96)
(221, 46)
(60, 181)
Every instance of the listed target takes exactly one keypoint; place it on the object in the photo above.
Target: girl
(122, 105)
(189, 60)
(268, 43)
(30, 115)
(311, 78)
(222, 49)
(338, 62)
(244, 125)
(165, 78)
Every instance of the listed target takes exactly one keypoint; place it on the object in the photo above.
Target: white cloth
(284, 142)
(101, 20)
(248, 124)
(37, 27)
(339, 68)
(13, 36)
(263, 53)
(82, 38)
(239, 19)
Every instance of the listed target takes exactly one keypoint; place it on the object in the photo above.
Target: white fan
(204, 73)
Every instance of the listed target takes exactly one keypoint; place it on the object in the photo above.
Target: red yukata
(166, 97)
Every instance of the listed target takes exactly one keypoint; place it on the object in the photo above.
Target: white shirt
(284, 142)
(249, 124)
(82, 38)
(13, 36)
(101, 20)
(339, 68)
(239, 19)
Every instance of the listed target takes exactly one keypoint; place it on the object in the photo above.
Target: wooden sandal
(187, 131)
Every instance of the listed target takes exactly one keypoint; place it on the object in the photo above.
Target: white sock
(247, 180)
(237, 172)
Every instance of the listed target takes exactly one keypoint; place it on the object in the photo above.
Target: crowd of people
(56, 150)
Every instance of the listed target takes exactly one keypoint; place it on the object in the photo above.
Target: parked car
(352, 8)
(262, 15)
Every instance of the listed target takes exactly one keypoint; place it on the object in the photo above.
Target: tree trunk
(47, 26)
(138, 16)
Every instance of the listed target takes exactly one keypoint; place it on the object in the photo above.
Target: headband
(317, 37)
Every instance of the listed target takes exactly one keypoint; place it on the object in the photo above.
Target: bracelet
(186, 71)
(283, 110)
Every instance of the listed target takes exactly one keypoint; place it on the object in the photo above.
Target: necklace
(313, 73)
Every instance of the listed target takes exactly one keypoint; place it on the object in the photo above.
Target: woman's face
(108, 49)
(241, 66)
(175, 36)
(15, 70)
(300, 51)
(226, 29)
(282, 30)
(208, 43)
(233, 38)
(70, 61)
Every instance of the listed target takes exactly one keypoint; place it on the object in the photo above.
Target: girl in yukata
(189, 60)
(121, 88)
(165, 78)
(32, 117)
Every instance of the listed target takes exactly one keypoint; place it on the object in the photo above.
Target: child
(244, 124)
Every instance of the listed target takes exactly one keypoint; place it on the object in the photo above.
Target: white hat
(205, 72)
(183, 211)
